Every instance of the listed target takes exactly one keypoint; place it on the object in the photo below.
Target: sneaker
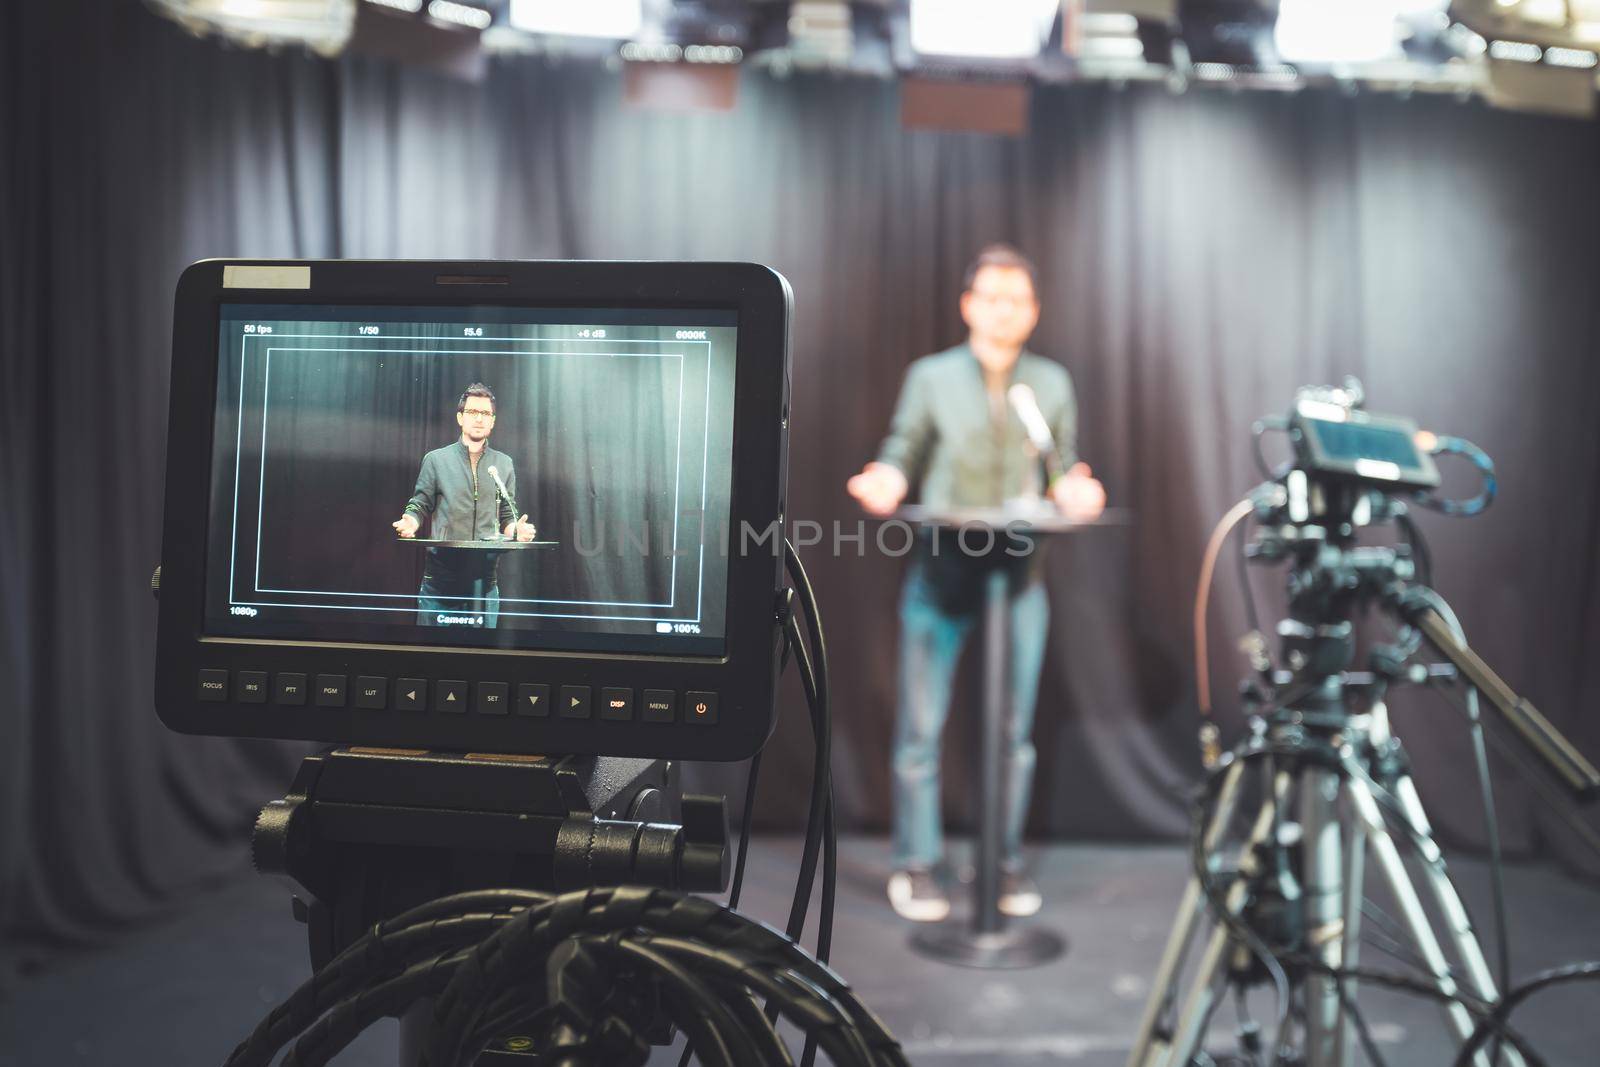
(1019, 896)
(916, 894)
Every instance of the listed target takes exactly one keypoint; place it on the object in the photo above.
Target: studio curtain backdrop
(1200, 256)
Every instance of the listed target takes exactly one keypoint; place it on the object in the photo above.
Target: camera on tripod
(1335, 787)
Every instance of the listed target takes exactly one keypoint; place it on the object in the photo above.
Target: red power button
(702, 708)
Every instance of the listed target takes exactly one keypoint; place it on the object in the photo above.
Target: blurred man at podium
(958, 434)
(460, 489)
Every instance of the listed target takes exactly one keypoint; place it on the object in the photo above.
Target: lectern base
(1007, 949)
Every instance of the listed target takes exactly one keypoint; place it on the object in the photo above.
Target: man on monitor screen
(960, 435)
(468, 490)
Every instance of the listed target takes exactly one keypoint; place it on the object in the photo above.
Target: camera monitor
(1350, 443)
(509, 507)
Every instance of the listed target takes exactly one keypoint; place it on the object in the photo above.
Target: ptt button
(330, 690)
(291, 688)
(214, 686)
(660, 705)
(450, 696)
(574, 703)
(700, 708)
(493, 698)
(616, 704)
(250, 687)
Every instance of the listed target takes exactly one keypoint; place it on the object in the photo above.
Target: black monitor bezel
(744, 677)
(1420, 474)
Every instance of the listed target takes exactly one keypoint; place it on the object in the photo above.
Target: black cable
(1219, 906)
(746, 817)
(815, 664)
(1496, 1020)
(809, 680)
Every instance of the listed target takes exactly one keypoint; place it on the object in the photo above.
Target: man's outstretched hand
(1078, 494)
(407, 525)
(879, 488)
(521, 530)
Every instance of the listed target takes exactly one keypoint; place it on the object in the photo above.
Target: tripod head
(1353, 470)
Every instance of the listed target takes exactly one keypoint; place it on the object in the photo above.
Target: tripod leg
(1325, 905)
(1354, 890)
(1153, 1049)
(1416, 919)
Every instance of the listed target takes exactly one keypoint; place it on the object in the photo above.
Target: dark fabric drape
(1200, 257)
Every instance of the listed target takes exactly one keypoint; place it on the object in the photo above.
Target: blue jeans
(930, 647)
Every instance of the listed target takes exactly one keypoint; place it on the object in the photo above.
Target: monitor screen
(486, 476)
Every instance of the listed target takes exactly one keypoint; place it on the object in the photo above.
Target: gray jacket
(464, 506)
(949, 437)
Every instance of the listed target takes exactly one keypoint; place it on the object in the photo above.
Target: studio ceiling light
(321, 25)
(621, 19)
(998, 29)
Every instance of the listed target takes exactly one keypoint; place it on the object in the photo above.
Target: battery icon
(663, 627)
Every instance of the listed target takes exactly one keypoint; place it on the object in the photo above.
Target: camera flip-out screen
(507, 506)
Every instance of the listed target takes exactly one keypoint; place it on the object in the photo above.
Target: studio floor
(184, 992)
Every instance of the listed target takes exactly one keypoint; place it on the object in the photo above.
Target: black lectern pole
(994, 783)
(986, 939)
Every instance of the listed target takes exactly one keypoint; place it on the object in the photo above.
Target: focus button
(214, 686)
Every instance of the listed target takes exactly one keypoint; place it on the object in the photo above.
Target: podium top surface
(1017, 519)
(499, 546)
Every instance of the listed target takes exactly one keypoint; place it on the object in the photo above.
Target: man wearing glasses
(956, 438)
(457, 490)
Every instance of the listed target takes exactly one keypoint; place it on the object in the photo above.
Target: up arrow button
(452, 696)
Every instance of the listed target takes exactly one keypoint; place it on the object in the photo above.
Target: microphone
(494, 472)
(1026, 406)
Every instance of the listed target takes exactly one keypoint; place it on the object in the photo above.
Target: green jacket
(464, 506)
(961, 447)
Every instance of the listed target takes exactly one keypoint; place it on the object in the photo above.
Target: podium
(987, 939)
(506, 545)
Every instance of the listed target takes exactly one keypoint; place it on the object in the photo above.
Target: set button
(493, 698)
